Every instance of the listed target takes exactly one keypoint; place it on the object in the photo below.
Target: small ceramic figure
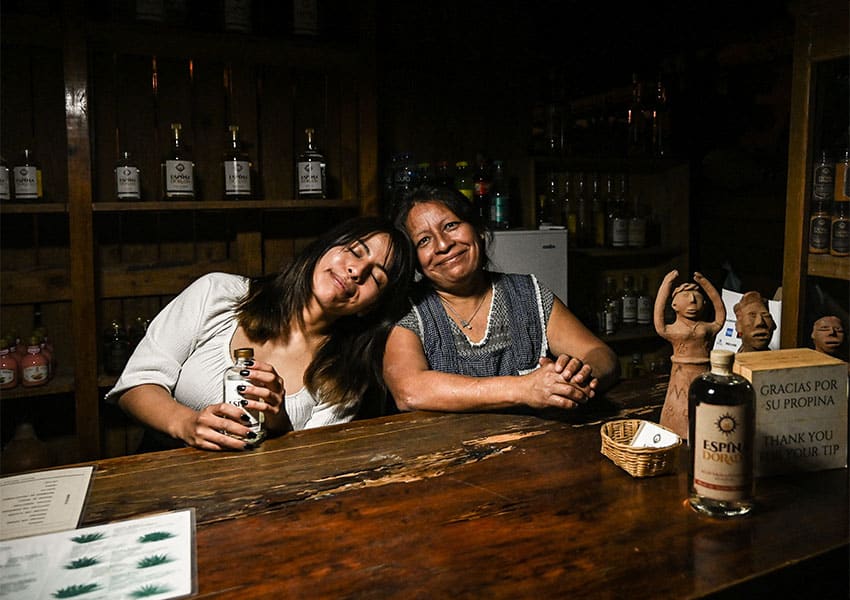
(753, 322)
(692, 341)
(828, 334)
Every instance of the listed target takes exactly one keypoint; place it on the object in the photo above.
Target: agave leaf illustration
(88, 537)
(153, 560)
(149, 590)
(155, 536)
(75, 590)
(82, 562)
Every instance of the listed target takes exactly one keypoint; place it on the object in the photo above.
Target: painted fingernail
(250, 435)
(245, 417)
(241, 388)
(243, 402)
(249, 446)
(244, 372)
(249, 363)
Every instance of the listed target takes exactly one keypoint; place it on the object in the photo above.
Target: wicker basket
(637, 462)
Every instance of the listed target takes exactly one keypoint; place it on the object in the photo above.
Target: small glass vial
(27, 178)
(721, 408)
(237, 376)
(127, 181)
(237, 169)
(310, 168)
(8, 366)
(35, 369)
(116, 348)
(5, 184)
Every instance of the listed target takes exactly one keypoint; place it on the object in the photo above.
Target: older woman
(476, 339)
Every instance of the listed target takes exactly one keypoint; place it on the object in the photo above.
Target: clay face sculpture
(828, 334)
(754, 323)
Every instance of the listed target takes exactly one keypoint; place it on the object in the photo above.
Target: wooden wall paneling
(49, 126)
(79, 177)
(177, 237)
(346, 95)
(368, 187)
(52, 249)
(209, 127)
(275, 132)
(105, 100)
(16, 107)
(213, 236)
(333, 133)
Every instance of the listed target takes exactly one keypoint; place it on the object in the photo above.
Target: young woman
(317, 330)
(475, 339)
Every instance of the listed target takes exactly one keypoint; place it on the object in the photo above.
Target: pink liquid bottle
(34, 366)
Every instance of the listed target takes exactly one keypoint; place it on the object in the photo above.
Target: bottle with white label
(127, 180)
(721, 411)
(236, 377)
(178, 170)
(8, 366)
(237, 169)
(5, 183)
(27, 178)
(645, 303)
(310, 171)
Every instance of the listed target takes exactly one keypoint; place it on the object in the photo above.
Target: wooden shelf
(653, 252)
(222, 205)
(63, 383)
(25, 208)
(157, 280)
(825, 265)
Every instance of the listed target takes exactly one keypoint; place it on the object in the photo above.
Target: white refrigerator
(541, 252)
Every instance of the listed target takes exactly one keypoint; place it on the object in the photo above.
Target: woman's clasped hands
(563, 383)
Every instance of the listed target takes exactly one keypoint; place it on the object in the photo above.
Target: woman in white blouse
(317, 330)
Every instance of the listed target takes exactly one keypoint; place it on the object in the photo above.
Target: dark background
(457, 79)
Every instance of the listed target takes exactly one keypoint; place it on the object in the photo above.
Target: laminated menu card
(149, 557)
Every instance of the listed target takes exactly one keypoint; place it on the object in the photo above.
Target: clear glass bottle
(547, 211)
(463, 181)
(500, 198)
(178, 170)
(628, 300)
(583, 223)
(116, 348)
(636, 235)
(568, 211)
(27, 178)
(597, 209)
(237, 168)
(127, 180)
(310, 168)
(721, 408)
(5, 183)
(618, 217)
(481, 184)
(236, 376)
(645, 303)
(609, 308)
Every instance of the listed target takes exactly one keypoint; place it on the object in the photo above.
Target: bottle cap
(243, 353)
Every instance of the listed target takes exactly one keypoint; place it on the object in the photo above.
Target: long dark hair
(451, 199)
(349, 361)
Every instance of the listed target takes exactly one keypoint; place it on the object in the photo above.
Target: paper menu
(43, 501)
(149, 557)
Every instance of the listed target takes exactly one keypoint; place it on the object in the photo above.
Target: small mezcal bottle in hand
(235, 377)
(721, 409)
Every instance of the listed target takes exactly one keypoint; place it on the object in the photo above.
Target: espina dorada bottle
(178, 170)
(234, 377)
(721, 408)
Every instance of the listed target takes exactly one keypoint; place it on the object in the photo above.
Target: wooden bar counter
(428, 505)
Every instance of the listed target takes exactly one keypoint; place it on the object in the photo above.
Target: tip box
(801, 409)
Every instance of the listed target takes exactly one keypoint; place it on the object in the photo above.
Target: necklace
(465, 323)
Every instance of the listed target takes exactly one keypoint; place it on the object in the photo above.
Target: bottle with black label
(839, 244)
(178, 170)
(236, 377)
(310, 168)
(721, 409)
(237, 169)
(127, 180)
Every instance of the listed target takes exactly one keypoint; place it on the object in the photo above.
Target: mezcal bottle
(235, 377)
(721, 409)
(310, 169)
(178, 170)
(237, 169)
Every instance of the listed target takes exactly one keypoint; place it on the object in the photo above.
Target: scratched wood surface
(426, 505)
